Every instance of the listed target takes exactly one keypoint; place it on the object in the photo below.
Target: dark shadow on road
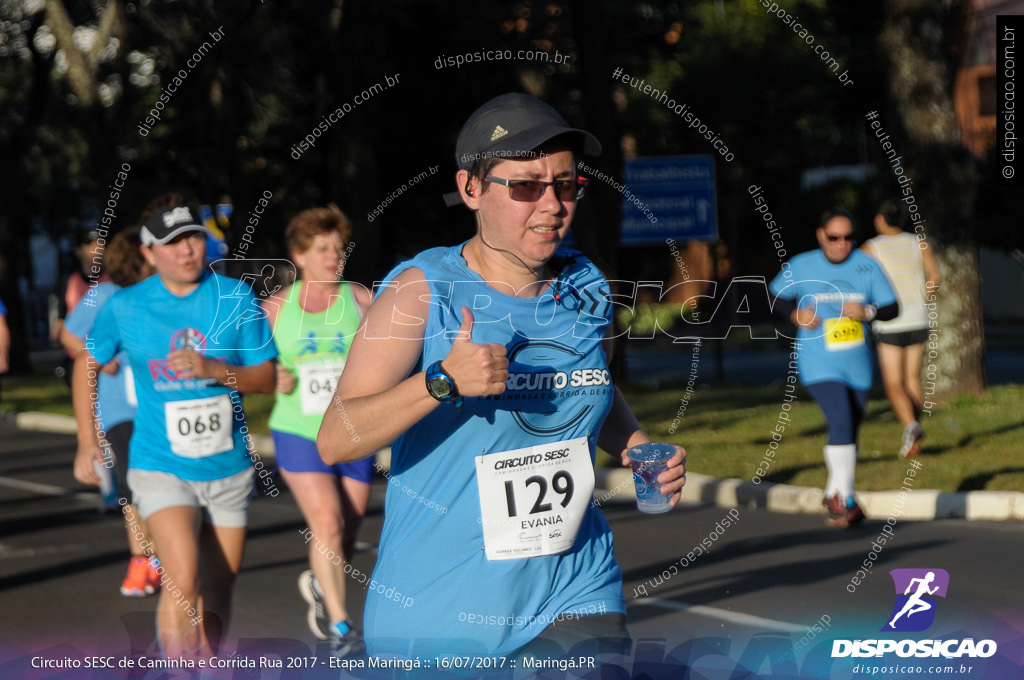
(682, 587)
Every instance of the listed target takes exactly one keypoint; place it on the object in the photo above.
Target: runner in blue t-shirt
(832, 295)
(195, 340)
(115, 409)
(486, 365)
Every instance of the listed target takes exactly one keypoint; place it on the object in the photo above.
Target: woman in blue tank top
(486, 366)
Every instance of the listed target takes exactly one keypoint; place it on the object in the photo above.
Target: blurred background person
(115, 409)
(5, 340)
(841, 291)
(913, 272)
(90, 267)
(313, 330)
(190, 468)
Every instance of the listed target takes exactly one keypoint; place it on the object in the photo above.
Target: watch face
(439, 387)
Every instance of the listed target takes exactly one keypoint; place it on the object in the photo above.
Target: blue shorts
(298, 454)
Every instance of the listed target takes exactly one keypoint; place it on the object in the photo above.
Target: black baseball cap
(511, 126)
(166, 223)
(514, 123)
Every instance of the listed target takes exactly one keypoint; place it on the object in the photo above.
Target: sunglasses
(847, 237)
(529, 190)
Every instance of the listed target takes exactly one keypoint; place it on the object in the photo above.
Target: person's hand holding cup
(657, 481)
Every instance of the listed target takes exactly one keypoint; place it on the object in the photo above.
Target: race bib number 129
(532, 500)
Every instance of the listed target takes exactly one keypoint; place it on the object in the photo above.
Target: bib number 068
(561, 483)
(187, 427)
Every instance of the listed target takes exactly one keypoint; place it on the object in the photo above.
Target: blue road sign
(676, 196)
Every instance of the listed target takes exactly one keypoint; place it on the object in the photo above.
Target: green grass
(971, 443)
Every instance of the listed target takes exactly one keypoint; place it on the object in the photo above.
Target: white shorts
(225, 502)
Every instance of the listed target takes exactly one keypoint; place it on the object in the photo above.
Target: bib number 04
(317, 382)
(197, 428)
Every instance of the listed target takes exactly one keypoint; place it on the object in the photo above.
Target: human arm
(377, 399)
(933, 277)
(285, 379)
(362, 297)
(806, 317)
(867, 313)
(83, 400)
(257, 378)
(621, 432)
(5, 344)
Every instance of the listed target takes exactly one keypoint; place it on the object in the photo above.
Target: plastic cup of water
(649, 461)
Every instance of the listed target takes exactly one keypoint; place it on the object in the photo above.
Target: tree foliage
(77, 77)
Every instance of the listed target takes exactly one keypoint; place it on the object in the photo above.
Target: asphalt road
(760, 589)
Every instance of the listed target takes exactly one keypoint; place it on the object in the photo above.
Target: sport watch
(441, 386)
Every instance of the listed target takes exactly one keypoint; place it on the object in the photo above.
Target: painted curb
(917, 504)
(616, 485)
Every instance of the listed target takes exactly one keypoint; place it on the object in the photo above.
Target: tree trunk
(944, 184)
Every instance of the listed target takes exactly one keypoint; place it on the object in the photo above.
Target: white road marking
(7, 552)
(48, 489)
(738, 618)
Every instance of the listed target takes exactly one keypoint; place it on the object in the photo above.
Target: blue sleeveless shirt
(434, 590)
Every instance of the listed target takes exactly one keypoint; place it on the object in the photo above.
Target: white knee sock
(842, 464)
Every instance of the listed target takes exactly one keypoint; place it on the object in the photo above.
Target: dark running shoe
(317, 617)
(842, 513)
(347, 645)
(911, 444)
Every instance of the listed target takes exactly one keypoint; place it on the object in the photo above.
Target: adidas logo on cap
(498, 133)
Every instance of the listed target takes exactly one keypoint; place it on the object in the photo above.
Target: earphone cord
(535, 272)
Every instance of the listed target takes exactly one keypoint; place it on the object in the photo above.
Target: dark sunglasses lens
(531, 190)
(526, 190)
(567, 189)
